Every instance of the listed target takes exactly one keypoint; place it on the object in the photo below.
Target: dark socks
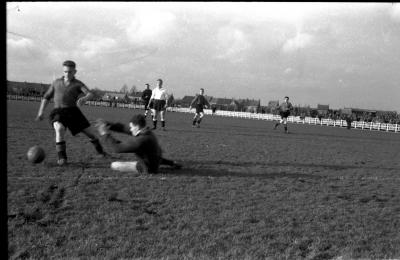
(97, 146)
(154, 124)
(163, 123)
(61, 148)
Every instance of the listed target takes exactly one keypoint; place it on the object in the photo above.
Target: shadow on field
(354, 134)
(291, 164)
(226, 173)
(79, 165)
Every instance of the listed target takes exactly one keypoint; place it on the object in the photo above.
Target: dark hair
(287, 97)
(147, 84)
(139, 120)
(202, 89)
(69, 63)
(160, 80)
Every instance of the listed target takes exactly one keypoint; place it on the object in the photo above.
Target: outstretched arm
(193, 101)
(120, 128)
(104, 127)
(43, 105)
(130, 146)
(151, 99)
(46, 98)
(166, 100)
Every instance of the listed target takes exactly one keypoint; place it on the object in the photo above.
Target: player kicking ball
(200, 102)
(143, 143)
(284, 110)
(68, 94)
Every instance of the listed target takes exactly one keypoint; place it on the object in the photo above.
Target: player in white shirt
(159, 97)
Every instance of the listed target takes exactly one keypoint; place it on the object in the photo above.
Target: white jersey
(160, 94)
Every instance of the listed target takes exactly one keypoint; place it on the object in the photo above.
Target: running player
(67, 94)
(200, 102)
(284, 110)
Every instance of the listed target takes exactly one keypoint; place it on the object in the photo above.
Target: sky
(336, 54)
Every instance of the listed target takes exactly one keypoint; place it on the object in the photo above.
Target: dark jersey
(199, 101)
(63, 95)
(146, 94)
(144, 145)
(286, 107)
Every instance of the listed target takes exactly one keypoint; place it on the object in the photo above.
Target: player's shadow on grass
(79, 165)
(356, 165)
(217, 173)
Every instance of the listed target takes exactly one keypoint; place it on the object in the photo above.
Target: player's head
(147, 85)
(201, 91)
(286, 98)
(137, 123)
(69, 69)
(159, 82)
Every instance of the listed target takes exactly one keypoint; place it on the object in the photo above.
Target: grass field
(245, 192)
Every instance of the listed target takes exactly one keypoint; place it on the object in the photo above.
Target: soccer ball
(36, 154)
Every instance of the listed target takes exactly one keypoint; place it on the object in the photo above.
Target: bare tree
(133, 90)
(124, 89)
(171, 99)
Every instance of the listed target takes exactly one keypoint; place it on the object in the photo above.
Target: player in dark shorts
(142, 142)
(284, 110)
(200, 102)
(66, 92)
(146, 98)
(160, 98)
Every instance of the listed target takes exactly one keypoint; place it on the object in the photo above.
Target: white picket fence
(292, 119)
(296, 119)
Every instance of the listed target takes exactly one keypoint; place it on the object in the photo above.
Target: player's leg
(155, 114)
(77, 123)
(278, 123)
(195, 119)
(285, 124)
(162, 118)
(146, 109)
(61, 146)
(133, 167)
(89, 132)
(201, 115)
(152, 113)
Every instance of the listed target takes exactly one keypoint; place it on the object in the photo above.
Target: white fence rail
(296, 119)
(292, 119)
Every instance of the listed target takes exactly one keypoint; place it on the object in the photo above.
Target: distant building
(222, 103)
(136, 97)
(322, 109)
(361, 114)
(115, 96)
(250, 105)
(185, 101)
(26, 88)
